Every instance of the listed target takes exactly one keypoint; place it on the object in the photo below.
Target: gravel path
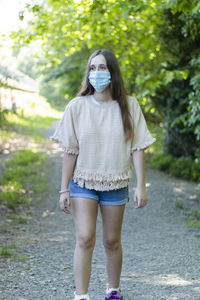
(161, 254)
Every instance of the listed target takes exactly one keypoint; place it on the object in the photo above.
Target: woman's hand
(65, 202)
(140, 197)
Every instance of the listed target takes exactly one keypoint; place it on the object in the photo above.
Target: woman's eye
(92, 68)
(102, 67)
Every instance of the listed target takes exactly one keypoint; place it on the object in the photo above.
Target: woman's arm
(68, 165)
(140, 197)
(69, 162)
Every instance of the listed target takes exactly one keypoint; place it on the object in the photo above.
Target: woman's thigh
(84, 212)
(112, 218)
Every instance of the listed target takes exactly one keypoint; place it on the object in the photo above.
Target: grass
(193, 223)
(4, 229)
(30, 127)
(6, 250)
(22, 177)
(26, 268)
(25, 157)
(17, 219)
(179, 204)
(196, 214)
(192, 215)
(21, 258)
(23, 173)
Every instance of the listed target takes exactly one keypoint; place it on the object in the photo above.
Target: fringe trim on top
(102, 181)
(66, 149)
(145, 145)
(102, 186)
(102, 176)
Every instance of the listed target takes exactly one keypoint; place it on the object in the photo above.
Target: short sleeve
(65, 133)
(142, 136)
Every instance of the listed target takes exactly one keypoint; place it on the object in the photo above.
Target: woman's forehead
(98, 60)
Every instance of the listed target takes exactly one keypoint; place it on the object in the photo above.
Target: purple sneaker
(114, 295)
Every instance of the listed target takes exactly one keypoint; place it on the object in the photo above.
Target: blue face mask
(99, 80)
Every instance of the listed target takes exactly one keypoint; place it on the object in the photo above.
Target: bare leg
(112, 217)
(85, 214)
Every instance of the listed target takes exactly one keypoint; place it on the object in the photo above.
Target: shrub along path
(161, 254)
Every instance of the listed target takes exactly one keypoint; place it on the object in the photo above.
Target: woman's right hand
(65, 202)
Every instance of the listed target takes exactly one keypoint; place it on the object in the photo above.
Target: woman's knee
(112, 243)
(86, 241)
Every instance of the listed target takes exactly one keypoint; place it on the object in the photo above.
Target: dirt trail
(161, 254)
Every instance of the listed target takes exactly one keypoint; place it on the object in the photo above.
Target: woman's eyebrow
(93, 65)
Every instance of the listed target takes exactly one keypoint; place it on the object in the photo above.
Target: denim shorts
(113, 197)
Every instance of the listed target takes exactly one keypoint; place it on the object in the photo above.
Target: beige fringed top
(95, 132)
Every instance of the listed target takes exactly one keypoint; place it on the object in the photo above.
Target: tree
(156, 43)
(178, 97)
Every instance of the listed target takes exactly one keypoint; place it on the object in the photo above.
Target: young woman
(101, 129)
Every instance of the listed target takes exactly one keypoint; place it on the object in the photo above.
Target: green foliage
(194, 103)
(3, 114)
(6, 250)
(193, 223)
(183, 167)
(156, 43)
(177, 97)
(13, 199)
(17, 172)
(21, 258)
(31, 126)
(50, 90)
(179, 139)
(162, 162)
(179, 204)
(69, 33)
(25, 157)
(4, 230)
(196, 214)
(17, 219)
(193, 218)
(157, 130)
(192, 215)
(21, 178)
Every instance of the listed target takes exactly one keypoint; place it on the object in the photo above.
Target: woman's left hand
(140, 197)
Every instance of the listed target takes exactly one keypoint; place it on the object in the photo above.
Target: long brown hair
(117, 89)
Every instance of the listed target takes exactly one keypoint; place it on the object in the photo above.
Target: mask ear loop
(89, 85)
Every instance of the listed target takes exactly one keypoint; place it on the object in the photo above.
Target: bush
(161, 161)
(183, 167)
(195, 172)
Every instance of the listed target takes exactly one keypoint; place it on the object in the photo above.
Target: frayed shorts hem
(121, 202)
